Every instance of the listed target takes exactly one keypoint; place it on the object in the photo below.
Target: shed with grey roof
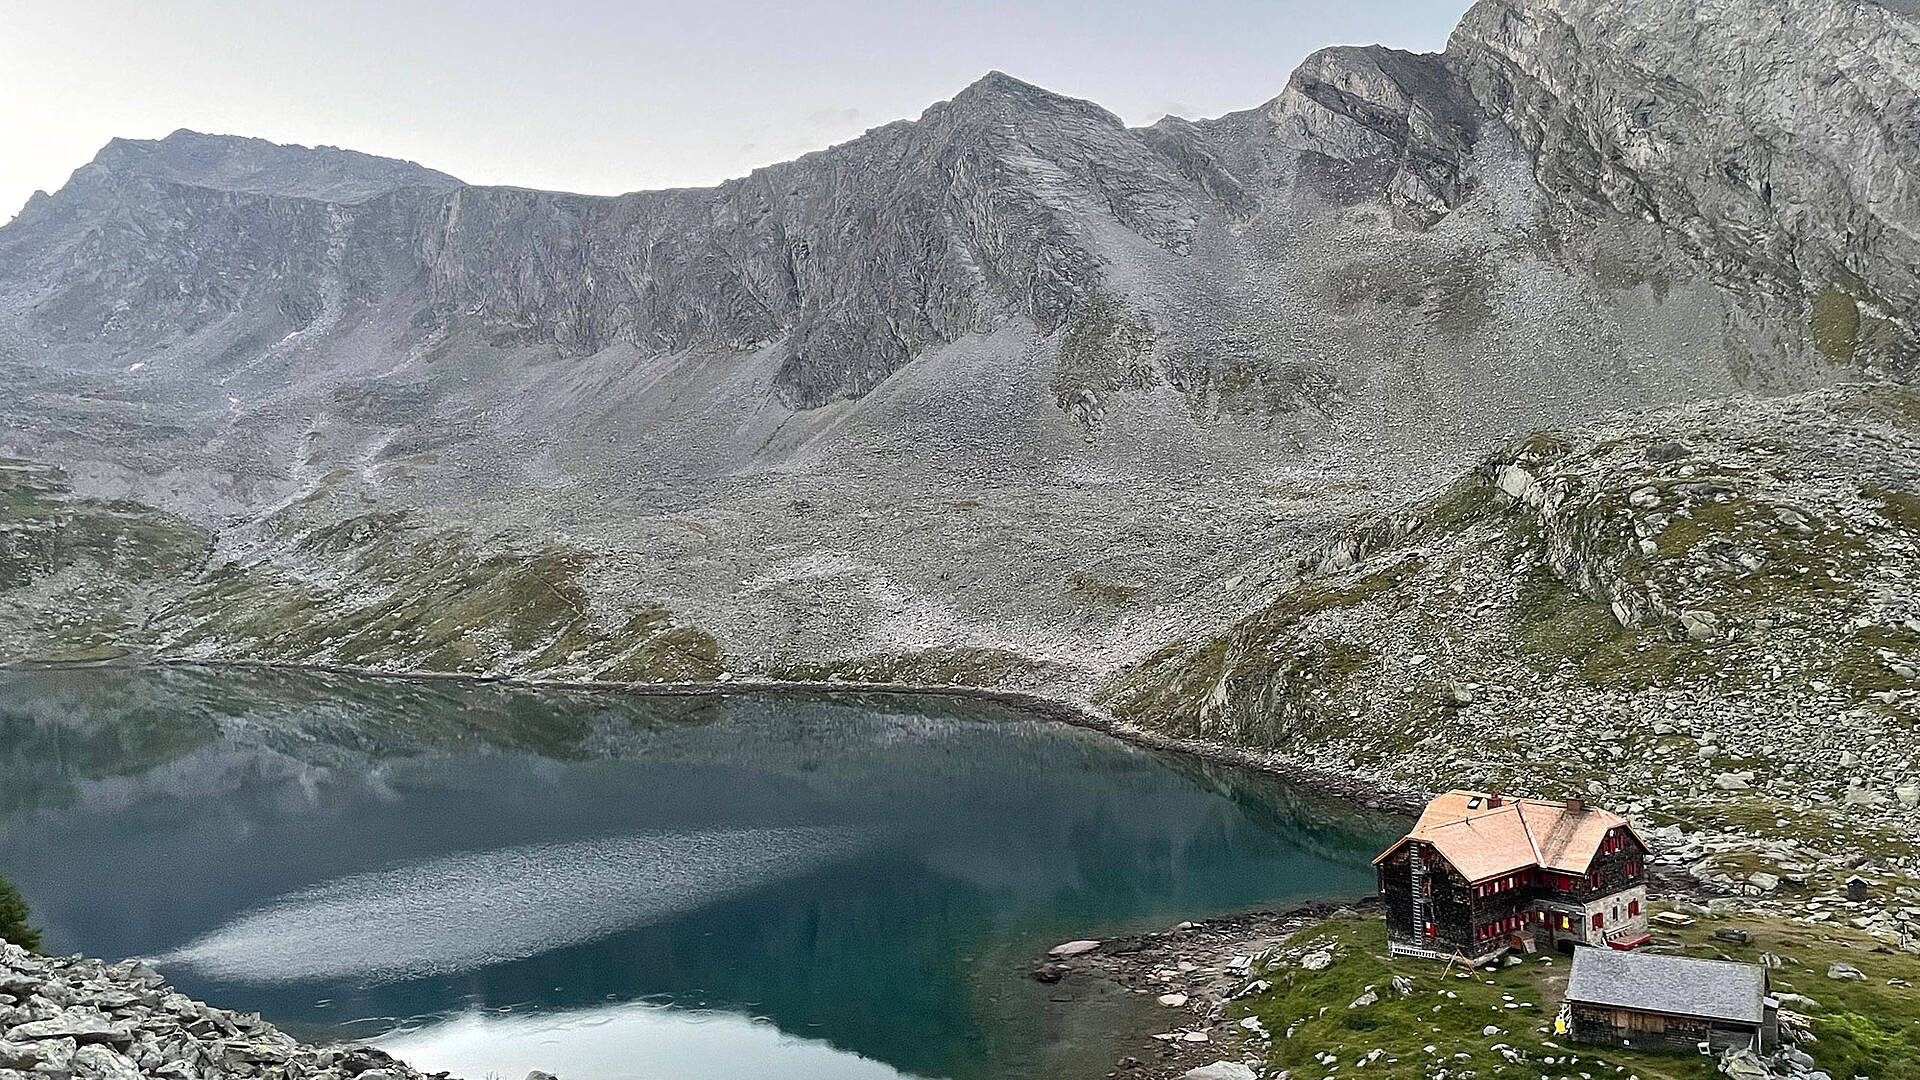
(1654, 1001)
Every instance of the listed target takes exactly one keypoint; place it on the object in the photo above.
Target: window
(1633, 907)
(1597, 918)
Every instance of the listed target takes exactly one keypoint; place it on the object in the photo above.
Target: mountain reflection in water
(608, 885)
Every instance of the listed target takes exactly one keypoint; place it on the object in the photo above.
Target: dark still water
(490, 880)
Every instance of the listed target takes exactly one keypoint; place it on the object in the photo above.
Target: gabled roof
(1674, 985)
(1486, 836)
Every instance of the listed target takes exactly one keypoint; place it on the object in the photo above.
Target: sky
(603, 97)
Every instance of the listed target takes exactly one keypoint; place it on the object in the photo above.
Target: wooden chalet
(1652, 1001)
(1481, 873)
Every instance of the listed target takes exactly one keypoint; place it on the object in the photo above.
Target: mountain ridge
(1500, 357)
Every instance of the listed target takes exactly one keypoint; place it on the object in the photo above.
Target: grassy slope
(1861, 1028)
(1480, 632)
(84, 579)
(79, 577)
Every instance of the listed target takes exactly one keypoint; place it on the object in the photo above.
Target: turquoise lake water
(489, 879)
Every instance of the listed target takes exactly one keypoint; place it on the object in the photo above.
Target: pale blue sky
(604, 97)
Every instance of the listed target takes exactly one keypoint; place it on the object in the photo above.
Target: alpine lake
(489, 879)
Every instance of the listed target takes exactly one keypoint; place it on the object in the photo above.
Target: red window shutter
(1596, 920)
(1633, 907)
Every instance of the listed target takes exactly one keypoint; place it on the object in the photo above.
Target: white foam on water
(625, 1042)
(467, 911)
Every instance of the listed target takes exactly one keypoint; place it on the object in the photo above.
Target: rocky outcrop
(1777, 139)
(157, 242)
(1380, 122)
(85, 1019)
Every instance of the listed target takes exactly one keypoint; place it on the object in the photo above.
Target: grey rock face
(1779, 139)
(142, 247)
(855, 258)
(1376, 121)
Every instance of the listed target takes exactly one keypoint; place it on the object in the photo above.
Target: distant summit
(256, 166)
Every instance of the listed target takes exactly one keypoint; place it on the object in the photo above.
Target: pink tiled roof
(1486, 836)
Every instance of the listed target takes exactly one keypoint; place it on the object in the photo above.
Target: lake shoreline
(1373, 793)
(1041, 732)
(1190, 970)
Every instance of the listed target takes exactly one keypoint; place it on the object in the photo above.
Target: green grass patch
(1443, 1010)
(1901, 509)
(1834, 321)
(1862, 1028)
(1561, 630)
(1263, 680)
(1796, 568)
(436, 601)
(1112, 594)
(941, 665)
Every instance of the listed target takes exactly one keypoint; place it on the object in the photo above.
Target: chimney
(1576, 804)
(1494, 801)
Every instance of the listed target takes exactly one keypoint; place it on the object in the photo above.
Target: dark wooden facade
(1432, 909)
(1641, 1030)
(1446, 923)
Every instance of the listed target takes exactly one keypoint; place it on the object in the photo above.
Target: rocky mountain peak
(259, 167)
(1001, 95)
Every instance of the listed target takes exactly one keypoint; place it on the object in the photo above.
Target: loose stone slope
(1720, 636)
(88, 1020)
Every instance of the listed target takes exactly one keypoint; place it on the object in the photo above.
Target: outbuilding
(1654, 1001)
